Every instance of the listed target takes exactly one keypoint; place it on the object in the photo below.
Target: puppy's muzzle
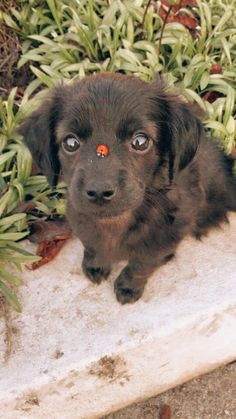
(100, 192)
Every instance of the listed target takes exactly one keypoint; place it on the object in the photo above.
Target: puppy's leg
(90, 268)
(129, 285)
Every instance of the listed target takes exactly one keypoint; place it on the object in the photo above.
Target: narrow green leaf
(12, 246)
(204, 80)
(11, 298)
(217, 126)
(55, 13)
(9, 277)
(11, 219)
(42, 76)
(13, 236)
(43, 40)
(6, 156)
(19, 259)
(194, 96)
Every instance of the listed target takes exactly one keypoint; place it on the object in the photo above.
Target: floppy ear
(38, 131)
(186, 134)
(180, 128)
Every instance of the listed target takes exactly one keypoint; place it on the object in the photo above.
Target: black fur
(134, 206)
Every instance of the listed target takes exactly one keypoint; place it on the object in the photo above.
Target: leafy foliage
(68, 39)
(17, 185)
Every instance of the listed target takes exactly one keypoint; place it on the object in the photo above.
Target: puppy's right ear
(38, 131)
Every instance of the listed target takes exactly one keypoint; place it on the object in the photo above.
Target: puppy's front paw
(96, 275)
(125, 293)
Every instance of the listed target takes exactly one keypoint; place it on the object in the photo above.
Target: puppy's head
(113, 136)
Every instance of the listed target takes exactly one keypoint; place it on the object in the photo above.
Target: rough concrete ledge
(77, 353)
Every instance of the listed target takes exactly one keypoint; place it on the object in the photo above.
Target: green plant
(16, 186)
(65, 40)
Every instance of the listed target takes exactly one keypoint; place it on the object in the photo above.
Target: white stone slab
(77, 353)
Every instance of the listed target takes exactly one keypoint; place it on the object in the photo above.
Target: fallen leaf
(51, 236)
(48, 249)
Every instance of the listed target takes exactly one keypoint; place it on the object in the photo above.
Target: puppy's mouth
(124, 216)
(104, 215)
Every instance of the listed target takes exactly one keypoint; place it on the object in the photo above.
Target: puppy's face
(107, 145)
(112, 136)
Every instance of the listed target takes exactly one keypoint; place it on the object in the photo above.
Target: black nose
(99, 193)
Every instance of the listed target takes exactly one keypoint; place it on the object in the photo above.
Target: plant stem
(163, 28)
(145, 13)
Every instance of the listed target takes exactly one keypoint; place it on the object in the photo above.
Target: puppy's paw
(125, 293)
(96, 275)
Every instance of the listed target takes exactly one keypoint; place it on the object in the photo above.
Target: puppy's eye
(70, 143)
(140, 142)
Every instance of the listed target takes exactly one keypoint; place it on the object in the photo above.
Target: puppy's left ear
(181, 129)
(38, 131)
(186, 133)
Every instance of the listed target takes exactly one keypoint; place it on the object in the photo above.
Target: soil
(212, 396)
(10, 51)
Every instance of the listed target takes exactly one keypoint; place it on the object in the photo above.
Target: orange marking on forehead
(102, 150)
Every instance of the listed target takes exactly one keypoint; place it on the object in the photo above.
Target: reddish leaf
(162, 13)
(189, 3)
(176, 7)
(216, 69)
(165, 412)
(186, 20)
(51, 236)
(167, 5)
(170, 13)
(182, 3)
(48, 249)
(181, 17)
(211, 96)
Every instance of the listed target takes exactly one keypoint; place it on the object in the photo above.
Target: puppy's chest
(110, 238)
(118, 241)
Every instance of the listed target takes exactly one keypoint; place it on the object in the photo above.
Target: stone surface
(77, 353)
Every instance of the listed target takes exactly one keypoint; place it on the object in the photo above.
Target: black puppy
(141, 173)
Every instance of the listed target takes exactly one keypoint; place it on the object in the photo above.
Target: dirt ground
(212, 396)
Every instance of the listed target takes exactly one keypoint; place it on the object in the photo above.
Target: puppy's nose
(100, 192)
